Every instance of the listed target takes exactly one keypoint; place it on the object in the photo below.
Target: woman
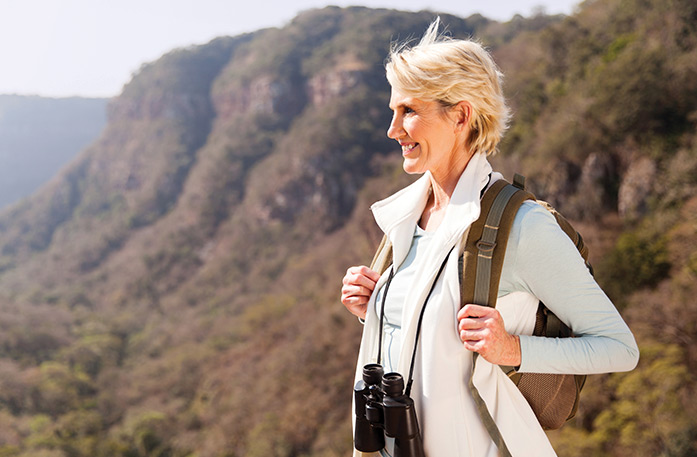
(449, 113)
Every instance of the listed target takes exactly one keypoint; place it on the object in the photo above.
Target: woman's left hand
(481, 330)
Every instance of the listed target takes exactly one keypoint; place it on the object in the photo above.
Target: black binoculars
(382, 409)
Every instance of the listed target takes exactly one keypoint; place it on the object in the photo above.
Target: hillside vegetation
(174, 291)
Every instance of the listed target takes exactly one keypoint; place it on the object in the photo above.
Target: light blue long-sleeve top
(540, 260)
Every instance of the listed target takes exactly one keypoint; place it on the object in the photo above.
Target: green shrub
(638, 261)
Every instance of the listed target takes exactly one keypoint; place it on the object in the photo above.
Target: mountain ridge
(38, 135)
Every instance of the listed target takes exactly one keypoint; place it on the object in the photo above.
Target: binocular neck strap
(407, 390)
(382, 314)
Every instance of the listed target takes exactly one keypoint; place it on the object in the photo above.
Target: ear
(463, 113)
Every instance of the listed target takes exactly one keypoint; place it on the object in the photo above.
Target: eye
(408, 110)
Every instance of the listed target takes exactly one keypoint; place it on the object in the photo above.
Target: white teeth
(408, 147)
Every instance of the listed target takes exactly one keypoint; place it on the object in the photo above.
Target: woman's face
(431, 139)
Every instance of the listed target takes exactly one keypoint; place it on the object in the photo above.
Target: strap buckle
(485, 246)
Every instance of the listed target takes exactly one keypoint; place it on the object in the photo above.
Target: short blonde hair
(449, 71)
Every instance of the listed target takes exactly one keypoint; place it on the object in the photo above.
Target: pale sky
(91, 48)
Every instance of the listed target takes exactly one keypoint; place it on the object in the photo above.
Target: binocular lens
(372, 374)
(393, 384)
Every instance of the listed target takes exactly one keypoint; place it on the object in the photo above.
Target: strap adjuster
(485, 246)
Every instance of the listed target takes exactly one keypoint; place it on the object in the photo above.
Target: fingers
(353, 290)
(361, 273)
(482, 330)
(354, 295)
(361, 277)
(475, 319)
(477, 326)
(474, 346)
(476, 311)
(473, 332)
(358, 284)
(355, 300)
(476, 335)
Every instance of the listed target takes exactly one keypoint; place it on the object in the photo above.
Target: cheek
(413, 128)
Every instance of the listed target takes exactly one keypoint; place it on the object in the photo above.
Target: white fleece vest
(449, 420)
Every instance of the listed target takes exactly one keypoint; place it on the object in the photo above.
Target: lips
(408, 147)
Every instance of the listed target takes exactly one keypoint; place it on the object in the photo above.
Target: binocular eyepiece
(383, 409)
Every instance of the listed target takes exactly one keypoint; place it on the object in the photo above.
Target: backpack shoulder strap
(486, 241)
(481, 264)
(383, 256)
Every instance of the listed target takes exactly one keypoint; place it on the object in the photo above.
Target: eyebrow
(403, 105)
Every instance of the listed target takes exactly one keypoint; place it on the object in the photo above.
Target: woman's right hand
(358, 285)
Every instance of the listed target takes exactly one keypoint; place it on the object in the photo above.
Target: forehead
(398, 99)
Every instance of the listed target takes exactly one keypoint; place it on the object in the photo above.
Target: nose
(395, 129)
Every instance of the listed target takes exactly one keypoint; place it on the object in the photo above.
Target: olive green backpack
(553, 397)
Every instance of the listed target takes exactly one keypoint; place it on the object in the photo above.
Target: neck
(442, 187)
(443, 182)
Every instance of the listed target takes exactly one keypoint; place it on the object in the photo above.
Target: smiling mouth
(407, 148)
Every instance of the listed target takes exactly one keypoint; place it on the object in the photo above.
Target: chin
(412, 169)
